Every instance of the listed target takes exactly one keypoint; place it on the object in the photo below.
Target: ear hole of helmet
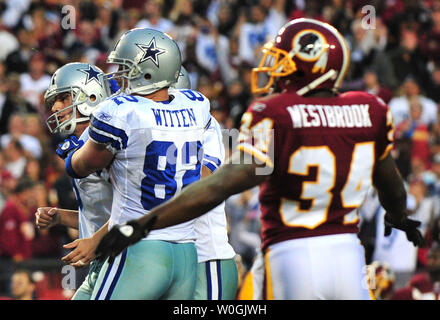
(92, 98)
(147, 76)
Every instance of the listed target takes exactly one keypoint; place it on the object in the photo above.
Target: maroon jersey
(323, 152)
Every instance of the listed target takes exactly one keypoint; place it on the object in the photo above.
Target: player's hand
(83, 252)
(69, 145)
(45, 217)
(408, 226)
(120, 237)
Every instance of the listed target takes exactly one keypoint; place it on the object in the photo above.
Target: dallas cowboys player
(217, 274)
(152, 140)
(74, 92)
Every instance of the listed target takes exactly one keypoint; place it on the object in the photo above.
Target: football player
(152, 140)
(314, 152)
(74, 92)
(217, 273)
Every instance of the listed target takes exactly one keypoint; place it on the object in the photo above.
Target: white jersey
(94, 196)
(158, 151)
(211, 229)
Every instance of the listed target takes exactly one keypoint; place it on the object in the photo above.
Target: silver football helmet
(87, 86)
(148, 60)
(183, 81)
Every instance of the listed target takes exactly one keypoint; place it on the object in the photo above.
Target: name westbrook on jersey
(347, 116)
(157, 147)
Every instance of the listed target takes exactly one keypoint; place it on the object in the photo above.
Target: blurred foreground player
(315, 153)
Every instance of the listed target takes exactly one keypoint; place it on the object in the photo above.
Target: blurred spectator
(87, 41)
(222, 15)
(16, 128)
(416, 132)
(410, 15)
(276, 17)
(253, 34)
(153, 18)
(209, 46)
(33, 170)
(14, 11)
(7, 181)
(407, 59)
(16, 230)
(34, 83)
(51, 42)
(338, 15)
(184, 30)
(400, 106)
(238, 101)
(433, 89)
(243, 215)
(373, 86)
(18, 60)
(23, 285)
(430, 41)
(425, 285)
(436, 184)
(9, 42)
(229, 61)
(12, 102)
(15, 158)
(364, 46)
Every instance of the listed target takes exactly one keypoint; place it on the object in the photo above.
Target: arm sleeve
(213, 148)
(107, 127)
(385, 139)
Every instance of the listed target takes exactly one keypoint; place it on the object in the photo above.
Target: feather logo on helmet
(311, 45)
(150, 52)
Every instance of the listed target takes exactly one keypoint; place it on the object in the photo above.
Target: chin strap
(312, 85)
(148, 89)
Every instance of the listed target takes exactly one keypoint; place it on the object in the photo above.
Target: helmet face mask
(86, 86)
(274, 63)
(149, 60)
(307, 54)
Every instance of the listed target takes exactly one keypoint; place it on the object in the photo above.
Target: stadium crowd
(397, 58)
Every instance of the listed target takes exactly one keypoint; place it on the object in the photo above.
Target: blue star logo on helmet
(151, 52)
(92, 74)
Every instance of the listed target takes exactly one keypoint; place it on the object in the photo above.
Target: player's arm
(84, 249)
(46, 217)
(196, 199)
(392, 196)
(390, 188)
(88, 159)
(204, 195)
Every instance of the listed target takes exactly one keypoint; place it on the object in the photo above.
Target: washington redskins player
(314, 152)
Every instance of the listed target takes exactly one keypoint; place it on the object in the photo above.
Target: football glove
(69, 145)
(120, 237)
(409, 227)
